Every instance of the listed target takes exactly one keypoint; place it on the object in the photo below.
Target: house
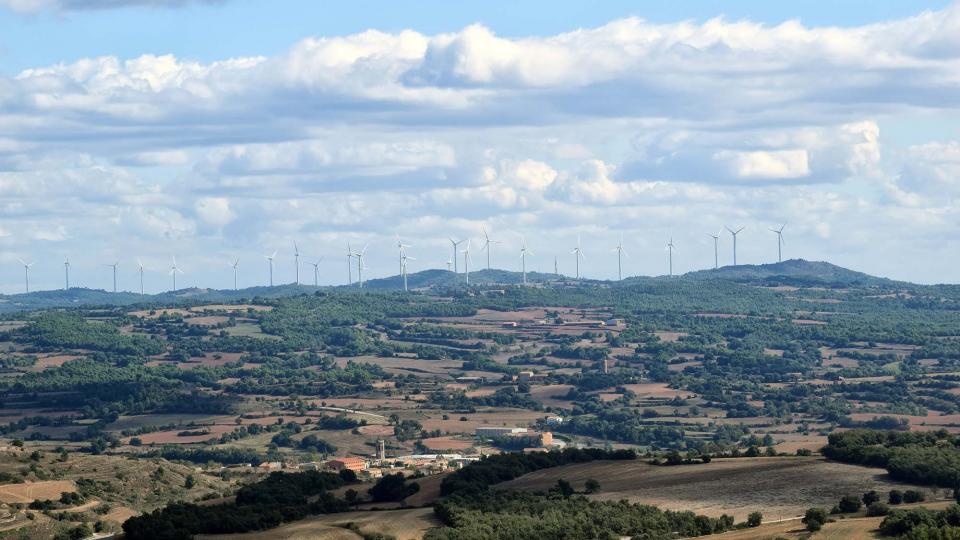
(553, 420)
(354, 464)
(510, 324)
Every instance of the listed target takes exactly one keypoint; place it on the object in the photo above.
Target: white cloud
(651, 129)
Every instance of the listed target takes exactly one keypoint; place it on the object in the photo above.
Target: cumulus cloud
(652, 129)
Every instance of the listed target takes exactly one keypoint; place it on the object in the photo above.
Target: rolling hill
(796, 272)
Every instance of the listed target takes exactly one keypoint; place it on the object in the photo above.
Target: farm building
(349, 463)
(498, 431)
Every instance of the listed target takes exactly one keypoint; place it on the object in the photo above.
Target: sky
(225, 129)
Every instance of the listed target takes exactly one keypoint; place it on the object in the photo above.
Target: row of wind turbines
(452, 263)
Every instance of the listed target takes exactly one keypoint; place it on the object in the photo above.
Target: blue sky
(212, 130)
(209, 32)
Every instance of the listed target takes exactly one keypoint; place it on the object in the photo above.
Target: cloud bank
(648, 129)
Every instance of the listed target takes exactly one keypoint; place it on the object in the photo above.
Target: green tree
(754, 519)
(565, 488)
(591, 485)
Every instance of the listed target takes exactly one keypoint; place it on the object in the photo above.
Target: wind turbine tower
(577, 255)
(269, 259)
(236, 271)
(455, 245)
(173, 272)
(66, 273)
(349, 264)
(316, 272)
(487, 242)
(403, 268)
(670, 247)
(466, 262)
(140, 271)
(402, 247)
(26, 274)
(779, 242)
(524, 251)
(734, 233)
(114, 266)
(296, 261)
(716, 248)
(360, 266)
(620, 254)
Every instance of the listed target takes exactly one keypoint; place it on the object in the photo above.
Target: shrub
(895, 496)
(754, 519)
(913, 496)
(814, 519)
(877, 509)
(849, 504)
(870, 497)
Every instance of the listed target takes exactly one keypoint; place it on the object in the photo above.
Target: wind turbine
(779, 241)
(524, 251)
(349, 264)
(487, 242)
(735, 233)
(316, 272)
(140, 271)
(716, 249)
(402, 247)
(236, 270)
(620, 254)
(296, 261)
(360, 267)
(403, 267)
(114, 266)
(455, 245)
(466, 262)
(578, 254)
(26, 273)
(173, 272)
(449, 264)
(66, 272)
(269, 259)
(670, 247)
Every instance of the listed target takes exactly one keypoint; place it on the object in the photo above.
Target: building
(381, 449)
(553, 420)
(347, 463)
(498, 431)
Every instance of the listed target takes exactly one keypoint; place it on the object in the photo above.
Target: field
(404, 524)
(31, 491)
(779, 487)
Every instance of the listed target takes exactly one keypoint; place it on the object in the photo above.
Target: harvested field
(669, 337)
(657, 391)
(376, 431)
(407, 524)
(232, 308)
(776, 486)
(31, 491)
(53, 360)
(207, 320)
(447, 443)
(488, 418)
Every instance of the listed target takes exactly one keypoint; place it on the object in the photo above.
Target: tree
(591, 485)
(870, 497)
(754, 519)
(814, 519)
(393, 487)
(849, 504)
(877, 508)
(189, 482)
(895, 496)
(352, 497)
(913, 496)
(565, 488)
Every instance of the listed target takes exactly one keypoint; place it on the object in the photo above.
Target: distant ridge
(796, 272)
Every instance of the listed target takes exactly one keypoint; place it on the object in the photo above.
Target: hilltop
(797, 272)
